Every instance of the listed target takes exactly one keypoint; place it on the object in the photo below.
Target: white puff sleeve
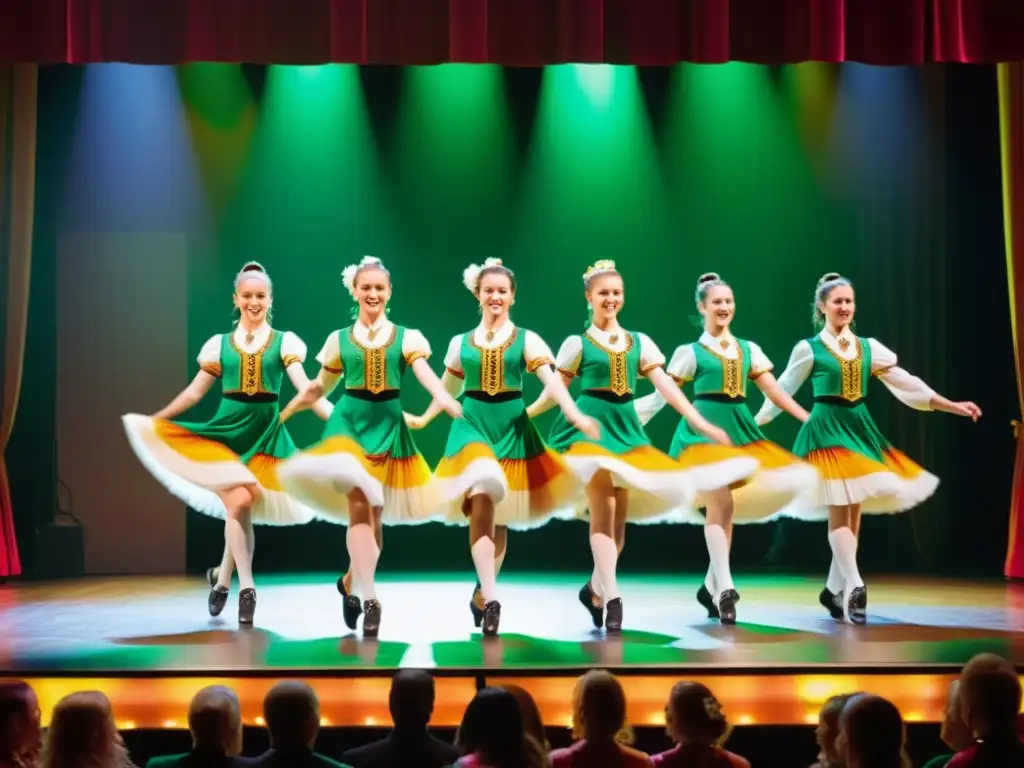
(453, 377)
(293, 349)
(682, 368)
(905, 387)
(759, 362)
(650, 356)
(330, 355)
(567, 361)
(537, 352)
(414, 346)
(801, 361)
(209, 356)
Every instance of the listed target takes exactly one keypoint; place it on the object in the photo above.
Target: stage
(775, 667)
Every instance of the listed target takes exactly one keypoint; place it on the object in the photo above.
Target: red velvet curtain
(511, 32)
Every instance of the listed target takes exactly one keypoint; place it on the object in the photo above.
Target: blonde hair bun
(471, 274)
(351, 272)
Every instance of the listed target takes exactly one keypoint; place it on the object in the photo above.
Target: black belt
(497, 397)
(608, 396)
(840, 401)
(257, 397)
(720, 397)
(374, 397)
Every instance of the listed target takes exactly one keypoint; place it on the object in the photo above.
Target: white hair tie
(349, 273)
(471, 274)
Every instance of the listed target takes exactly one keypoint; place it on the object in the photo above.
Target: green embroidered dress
(857, 464)
(609, 367)
(366, 443)
(243, 443)
(495, 448)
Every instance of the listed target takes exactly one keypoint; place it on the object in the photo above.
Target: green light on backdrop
(597, 82)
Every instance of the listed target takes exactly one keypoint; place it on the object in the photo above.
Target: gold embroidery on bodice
(251, 366)
(375, 361)
(618, 378)
(732, 371)
(492, 363)
(851, 372)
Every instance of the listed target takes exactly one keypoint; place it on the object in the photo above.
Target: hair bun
(253, 266)
(828, 277)
(708, 277)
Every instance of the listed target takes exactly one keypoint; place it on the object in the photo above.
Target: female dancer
(228, 467)
(862, 471)
(625, 476)
(366, 469)
(720, 365)
(496, 470)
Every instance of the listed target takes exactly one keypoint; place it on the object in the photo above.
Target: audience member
(990, 701)
(410, 744)
(533, 725)
(82, 732)
(955, 732)
(695, 721)
(599, 722)
(828, 730)
(20, 731)
(491, 734)
(871, 734)
(215, 722)
(292, 713)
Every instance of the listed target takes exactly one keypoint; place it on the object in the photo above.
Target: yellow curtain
(1011, 131)
(18, 84)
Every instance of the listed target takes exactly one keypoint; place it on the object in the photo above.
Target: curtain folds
(17, 193)
(1011, 131)
(511, 32)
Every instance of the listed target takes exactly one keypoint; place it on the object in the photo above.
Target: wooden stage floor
(779, 662)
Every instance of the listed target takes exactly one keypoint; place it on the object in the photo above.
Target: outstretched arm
(567, 362)
(911, 390)
(189, 396)
(556, 390)
(797, 370)
(444, 399)
(674, 396)
(452, 384)
(681, 368)
(545, 402)
(321, 406)
(761, 374)
(313, 395)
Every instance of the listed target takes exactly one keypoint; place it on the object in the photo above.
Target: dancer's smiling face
(496, 295)
(373, 291)
(838, 306)
(253, 299)
(718, 308)
(606, 295)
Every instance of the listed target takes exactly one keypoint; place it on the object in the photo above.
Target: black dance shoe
(832, 602)
(371, 618)
(857, 605)
(705, 599)
(246, 605)
(613, 621)
(727, 606)
(587, 596)
(217, 600)
(478, 613)
(350, 607)
(491, 618)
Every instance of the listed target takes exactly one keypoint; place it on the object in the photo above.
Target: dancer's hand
(720, 436)
(304, 400)
(414, 422)
(968, 409)
(451, 406)
(587, 426)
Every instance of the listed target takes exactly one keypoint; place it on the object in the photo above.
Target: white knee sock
(718, 551)
(835, 582)
(238, 540)
(363, 553)
(606, 558)
(595, 580)
(844, 550)
(709, 582)
(227, 566)
(483, 558)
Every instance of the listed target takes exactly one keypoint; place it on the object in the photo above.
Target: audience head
(599, 707)
(871, 733)
(694, 716)
(492, 729)
(20, 728)
(828, 726)
(990, 695)
(412, 698)
(955, 732)
(292, 712)
(215, 721)
(83, 732)
(533, 725)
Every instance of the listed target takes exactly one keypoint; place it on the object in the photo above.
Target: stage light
(744, 720)
(597, 81)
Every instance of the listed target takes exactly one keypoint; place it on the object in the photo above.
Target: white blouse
(293, 349)
(908, 389)
(683, 367)
(414, 343)
(571, 352)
